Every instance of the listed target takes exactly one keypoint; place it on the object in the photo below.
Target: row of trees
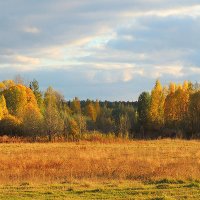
(172, 111)
(26, 111)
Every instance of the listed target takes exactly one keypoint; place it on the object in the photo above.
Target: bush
(10, 125)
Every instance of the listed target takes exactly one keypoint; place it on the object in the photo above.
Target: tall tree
(176, 106)
(156, 110)
(170, 106)
(52, 119)
(3, 107)
(143, 108)
(182, 104)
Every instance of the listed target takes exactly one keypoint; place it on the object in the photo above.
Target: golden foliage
(177, 104)
(17, 97)
(156, 110)
(3, 108)
(172, 88)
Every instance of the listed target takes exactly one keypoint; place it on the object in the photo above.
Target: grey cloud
(166, 39)
(29, 27)
(62, 21)
(160, 33)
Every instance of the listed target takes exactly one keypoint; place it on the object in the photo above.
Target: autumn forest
(167, 111)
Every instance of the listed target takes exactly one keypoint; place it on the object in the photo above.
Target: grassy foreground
(165, 169)
(160, 190)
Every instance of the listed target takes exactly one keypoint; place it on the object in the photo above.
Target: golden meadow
(97, 161)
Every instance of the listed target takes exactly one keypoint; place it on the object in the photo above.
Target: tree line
(172, 111)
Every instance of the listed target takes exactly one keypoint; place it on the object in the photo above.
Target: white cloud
(192, 11)
(129, 74)
(174, 70)
(26, 60)
(31, 29)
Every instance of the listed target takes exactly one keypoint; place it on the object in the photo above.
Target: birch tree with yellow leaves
(156, 108)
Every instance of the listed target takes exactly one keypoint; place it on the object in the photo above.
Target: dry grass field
(159, 165)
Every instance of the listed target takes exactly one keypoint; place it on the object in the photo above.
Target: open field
(166, 169)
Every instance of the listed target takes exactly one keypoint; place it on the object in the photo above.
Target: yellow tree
(3, 108)
(170, 105)
(182, 104)
(30, 97)
(17, 97)
(156, 110)
(22, 106)
(185, 86)
(176, 105)
(172, 88)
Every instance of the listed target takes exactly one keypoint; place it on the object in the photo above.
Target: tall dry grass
(137, 160)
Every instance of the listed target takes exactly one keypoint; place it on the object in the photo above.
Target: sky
(100, 49)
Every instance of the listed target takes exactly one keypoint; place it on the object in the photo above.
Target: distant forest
(170, 111)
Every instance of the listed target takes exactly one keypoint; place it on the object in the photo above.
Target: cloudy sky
(100, 49)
